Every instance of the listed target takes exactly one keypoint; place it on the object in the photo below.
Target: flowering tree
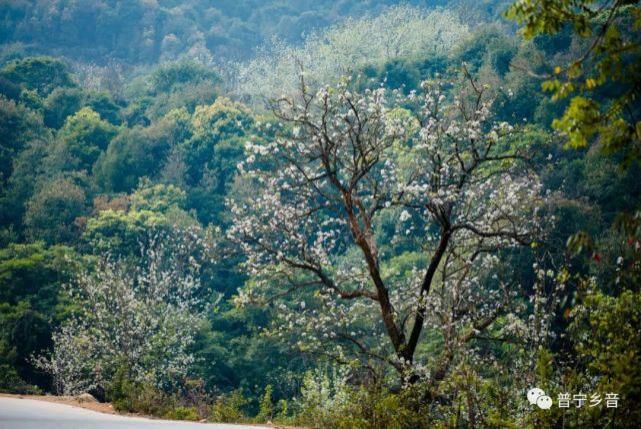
(394, 219)
(399, 32)
(141, 317)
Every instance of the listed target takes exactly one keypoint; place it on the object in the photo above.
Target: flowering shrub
(140, 315)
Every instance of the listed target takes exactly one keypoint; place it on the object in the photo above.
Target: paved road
(31, 414)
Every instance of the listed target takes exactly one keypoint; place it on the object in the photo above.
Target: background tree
(31, 276)
(40, 74)
(119, 225)
(139, 152)
(603, 79)
(80, 141)
(18, 126)
(211, 153)
(399, 32)
(52, 212)
(60, 104)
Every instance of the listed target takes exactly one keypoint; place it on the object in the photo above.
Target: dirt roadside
(106, 408)
(68, 400)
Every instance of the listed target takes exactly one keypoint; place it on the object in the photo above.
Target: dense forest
(328, 214)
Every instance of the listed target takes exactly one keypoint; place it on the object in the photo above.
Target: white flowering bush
(400, 32)
(324, 395)
(140, 316)
(391, 221)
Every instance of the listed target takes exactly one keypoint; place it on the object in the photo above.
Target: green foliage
(30, 279)
(537, 16)
(137, 31)
(222, 123)
(603, 79)
(266, 406)
(61, 103)
(612, 346)
(405, 73)
(149, 208)
(81, 140)
(158, 198)
(580, 111)
(211, 154)
(27, 167)
(491, 47)
(18, 125)
(605, 333)
(52, 212)
(283, 411)
(41, 74)
(183, 413)
(103, 104)
(9, 89)
(171, 86)
(327, 401)
(229, 408)
(170, 77)
(138, 152)
(134, 397)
